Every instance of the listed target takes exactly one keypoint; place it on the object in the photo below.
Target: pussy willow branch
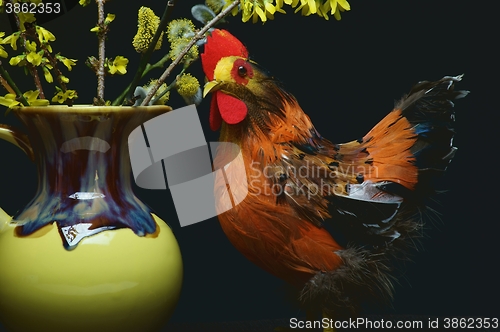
(158, 64)
(170, 86)
(101, 36)
(181, 55)
(143, 65)
(5, 75)
(145, 71)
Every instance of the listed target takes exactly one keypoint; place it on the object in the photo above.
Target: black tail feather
(374, 238)
(429, 108)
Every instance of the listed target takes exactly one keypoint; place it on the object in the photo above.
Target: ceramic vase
(85, 254)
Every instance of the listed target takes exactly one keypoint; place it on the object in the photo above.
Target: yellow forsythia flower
(47, 75)
(69, 63)
(9, 100)
(44, 35)
(3, 53)
(109, 18)
(118, 66)
(12, 40)
(263, 9)
(321, 8)
(17, 60)
(31, 97)
(84, 3)
(34, 58)
(60, 97)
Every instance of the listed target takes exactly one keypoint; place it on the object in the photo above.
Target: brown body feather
(286, 237)
(269, 234)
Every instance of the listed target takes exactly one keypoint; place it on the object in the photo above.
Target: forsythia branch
(32, 69)
(101, 35)
(53, 62)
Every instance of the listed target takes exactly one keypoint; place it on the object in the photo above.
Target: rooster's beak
(210, 86)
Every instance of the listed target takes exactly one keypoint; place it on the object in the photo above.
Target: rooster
(329, 219)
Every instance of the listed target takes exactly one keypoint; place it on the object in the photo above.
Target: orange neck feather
(265, 144)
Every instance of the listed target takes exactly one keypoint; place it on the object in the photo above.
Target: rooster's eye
(242, 71)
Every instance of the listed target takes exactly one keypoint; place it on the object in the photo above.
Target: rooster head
(241, 89)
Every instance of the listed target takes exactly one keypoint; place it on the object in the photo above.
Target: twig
(169, 87)
(5, 76)
(158, 64)
(36, 78)
(6, 85)
(101, 35)
(181, 55)
(147, 55)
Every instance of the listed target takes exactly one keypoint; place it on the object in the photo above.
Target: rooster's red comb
(219, 45)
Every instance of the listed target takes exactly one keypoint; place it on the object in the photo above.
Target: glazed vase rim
(89, 109)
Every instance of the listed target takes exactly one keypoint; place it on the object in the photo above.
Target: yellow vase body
(113, 281)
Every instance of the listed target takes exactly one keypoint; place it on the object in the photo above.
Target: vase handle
(17, 138)
(20, 140)
(4, 219)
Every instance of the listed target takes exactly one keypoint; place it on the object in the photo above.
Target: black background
(346, 76)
